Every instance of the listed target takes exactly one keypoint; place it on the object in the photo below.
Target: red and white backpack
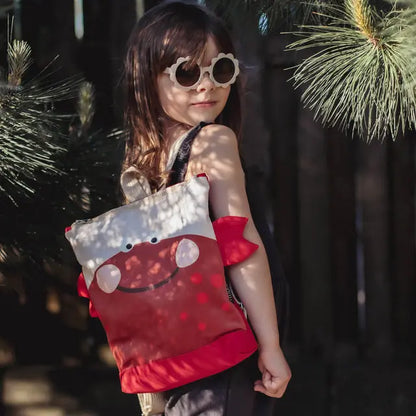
(154, 273)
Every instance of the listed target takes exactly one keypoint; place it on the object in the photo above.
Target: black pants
(229, 393)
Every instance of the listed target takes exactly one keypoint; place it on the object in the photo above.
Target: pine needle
(19, 60)
(360, 13)
(32, 134)
(361, 75)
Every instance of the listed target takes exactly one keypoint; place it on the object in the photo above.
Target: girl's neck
(172, 131)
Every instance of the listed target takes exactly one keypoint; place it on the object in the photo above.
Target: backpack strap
(180, 165)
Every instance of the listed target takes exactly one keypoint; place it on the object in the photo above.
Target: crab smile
(150, 287)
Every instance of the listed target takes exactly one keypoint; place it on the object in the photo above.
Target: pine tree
(358, 74)
(53, 170)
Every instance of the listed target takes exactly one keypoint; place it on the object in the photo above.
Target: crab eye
(154, 240)
(127, 247)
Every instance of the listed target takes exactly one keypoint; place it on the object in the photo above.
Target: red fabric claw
(83, 292)
(233, 246)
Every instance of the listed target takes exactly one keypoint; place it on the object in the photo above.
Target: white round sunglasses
(223, 72)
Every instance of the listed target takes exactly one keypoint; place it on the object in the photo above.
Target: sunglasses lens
(223, 70)
(187, 76)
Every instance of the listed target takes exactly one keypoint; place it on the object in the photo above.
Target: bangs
(178, 43)
(183, 30)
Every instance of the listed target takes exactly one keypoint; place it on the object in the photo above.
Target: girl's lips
(204, 104)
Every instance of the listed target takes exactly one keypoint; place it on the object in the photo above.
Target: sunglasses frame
(171, 71)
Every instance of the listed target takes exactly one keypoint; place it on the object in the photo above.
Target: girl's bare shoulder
(214, 138)
(214, 151)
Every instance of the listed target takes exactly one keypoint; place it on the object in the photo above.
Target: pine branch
(361, 75)
(361, 14)
(32, 134)
(19, 57)
(51, 166)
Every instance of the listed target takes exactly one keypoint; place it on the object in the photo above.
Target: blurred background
(340, 211)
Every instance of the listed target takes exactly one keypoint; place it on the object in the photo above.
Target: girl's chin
(206, 116)
(192, 119)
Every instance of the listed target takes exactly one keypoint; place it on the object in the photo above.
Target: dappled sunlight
(215, 152)
(132, 262)
(180, 209)
(156, 275)
(171, 312)
(148, 262)
(144, 267)
(155, 269)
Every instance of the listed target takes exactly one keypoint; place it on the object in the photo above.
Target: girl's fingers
(267, 378)
(270, 386)
(258, 386)
(261, 389)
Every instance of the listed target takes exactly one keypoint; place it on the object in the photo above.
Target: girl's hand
(275, 373)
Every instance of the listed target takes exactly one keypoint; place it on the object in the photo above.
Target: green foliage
(360, 75)
(31, 133)
(84, 186)
(53, 170)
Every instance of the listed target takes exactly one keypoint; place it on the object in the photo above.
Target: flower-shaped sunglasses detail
(223, 72)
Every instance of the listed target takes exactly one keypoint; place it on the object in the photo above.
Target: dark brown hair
(164, 33)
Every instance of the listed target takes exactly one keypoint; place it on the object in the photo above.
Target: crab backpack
(153, 270)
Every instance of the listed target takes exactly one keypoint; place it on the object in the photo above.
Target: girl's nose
(205, 83)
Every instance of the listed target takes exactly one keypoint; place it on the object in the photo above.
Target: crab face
(146, 266)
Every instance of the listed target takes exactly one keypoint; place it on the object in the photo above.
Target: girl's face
(204, 103)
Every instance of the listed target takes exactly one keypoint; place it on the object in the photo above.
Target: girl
(180, 70)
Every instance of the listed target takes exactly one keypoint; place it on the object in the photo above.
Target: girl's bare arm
(215, 152)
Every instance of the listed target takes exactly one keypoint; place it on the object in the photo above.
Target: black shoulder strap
(180, 165)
